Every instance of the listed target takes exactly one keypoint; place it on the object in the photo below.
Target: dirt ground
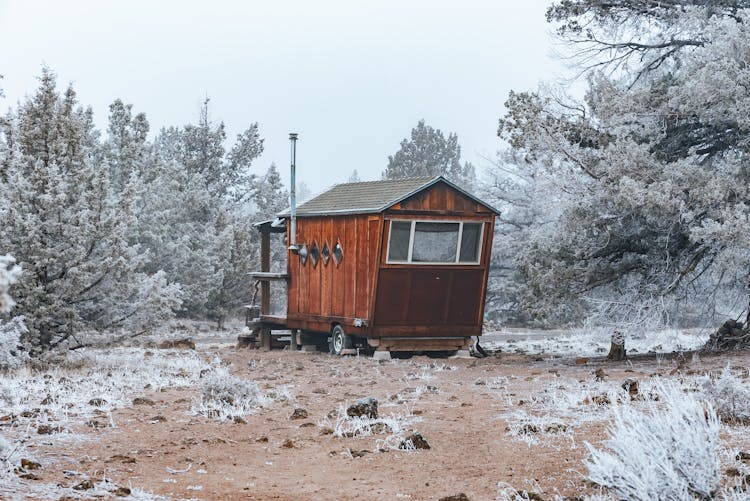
(455, 403)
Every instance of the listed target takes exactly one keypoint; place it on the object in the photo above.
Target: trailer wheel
(340, 341)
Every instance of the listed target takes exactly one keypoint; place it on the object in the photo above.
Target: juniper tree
(429, 153)
(651, 167)
(205, 201)
(66, 230)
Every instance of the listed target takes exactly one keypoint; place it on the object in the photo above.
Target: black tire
(340, 341)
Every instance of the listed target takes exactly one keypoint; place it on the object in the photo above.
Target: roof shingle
(366, 197)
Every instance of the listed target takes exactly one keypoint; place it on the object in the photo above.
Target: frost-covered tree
(652, 167)
(126, 150)
(66, 230)
(354, 177)
(9, 273)
(13, 328)
(200, 234)
(236, 255)
(527, 201)
(269, 194)
(429, 153)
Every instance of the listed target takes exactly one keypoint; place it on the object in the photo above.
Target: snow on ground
(591, 342)
(39, 407)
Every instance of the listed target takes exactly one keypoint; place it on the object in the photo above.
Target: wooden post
(265, 287)
(265, 265)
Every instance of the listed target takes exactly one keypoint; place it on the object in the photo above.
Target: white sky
(352, 78)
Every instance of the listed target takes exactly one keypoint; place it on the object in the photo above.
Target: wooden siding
(415, 301)
(326, 293)
(440, 198)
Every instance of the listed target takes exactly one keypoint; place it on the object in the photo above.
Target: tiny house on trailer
(398, 265)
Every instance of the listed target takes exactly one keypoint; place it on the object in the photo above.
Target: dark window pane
(314, 254)
(326, 253)
(338, 253)
(398, 248)
(470, 243)
(435, 242)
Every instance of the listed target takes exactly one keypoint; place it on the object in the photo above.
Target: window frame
(413, 226)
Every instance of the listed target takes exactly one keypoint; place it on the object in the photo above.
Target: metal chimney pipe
(293, 194)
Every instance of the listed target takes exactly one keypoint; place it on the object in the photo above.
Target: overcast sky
(352, 78)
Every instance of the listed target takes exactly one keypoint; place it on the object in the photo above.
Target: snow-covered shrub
(667, 452)
(11, 354)
(9, 274)
(531, 428)
(10, 331)
(554, 410)
(737, 494)
(344, 425)
(506, 492)
(390, 430)
(226, 397)
(730, 396)
(7, 474)
(63, 393)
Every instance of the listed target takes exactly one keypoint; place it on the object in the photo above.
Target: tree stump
(617, 347)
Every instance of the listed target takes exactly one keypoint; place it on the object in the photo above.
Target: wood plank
(276, 320)
(326, 269)
(374, 236)
(304, 269)
(423, 331)
(267, 275)
(314, 274)
(349, 262)
(338, 273)
(361, 291)
(449, 344)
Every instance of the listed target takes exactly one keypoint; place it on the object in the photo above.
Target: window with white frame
(434, 242)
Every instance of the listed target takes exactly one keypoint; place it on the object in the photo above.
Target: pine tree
(429, 153)
(269, 194)
(203, 238)
(68, 232)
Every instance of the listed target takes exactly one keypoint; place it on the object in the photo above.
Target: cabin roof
(371, 197)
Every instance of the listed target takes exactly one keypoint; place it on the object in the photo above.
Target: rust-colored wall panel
(429, 296)
(466, 297)
(392, 302)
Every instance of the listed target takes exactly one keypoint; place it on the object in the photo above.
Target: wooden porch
(266, 329)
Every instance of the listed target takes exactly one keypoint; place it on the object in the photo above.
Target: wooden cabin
(397, 265)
